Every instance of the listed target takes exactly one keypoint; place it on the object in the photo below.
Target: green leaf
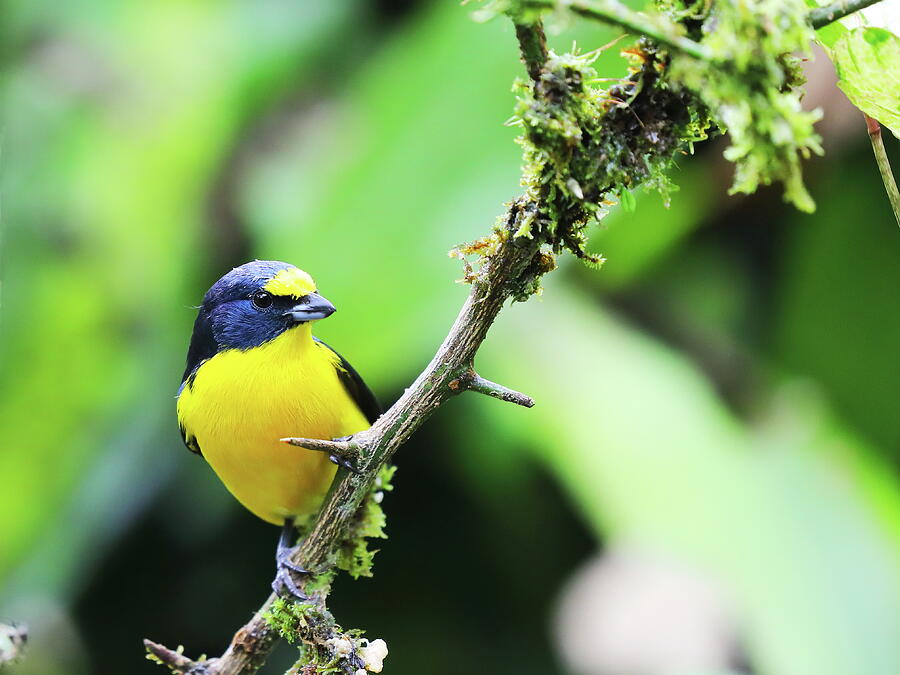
(867, 61)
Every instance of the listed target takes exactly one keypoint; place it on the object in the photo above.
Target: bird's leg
(284, 581)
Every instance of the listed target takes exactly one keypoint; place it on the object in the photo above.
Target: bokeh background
(708, 484)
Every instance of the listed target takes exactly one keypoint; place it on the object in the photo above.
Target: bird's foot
(346, 457)
(346, 462)
(284, 584)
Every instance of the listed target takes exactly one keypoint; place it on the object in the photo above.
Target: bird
(256, 374)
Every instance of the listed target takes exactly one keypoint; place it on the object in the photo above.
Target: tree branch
(669, 33)
(613, 12)
(884, 166)
(533, 46)
(822, 16)
(495, 283)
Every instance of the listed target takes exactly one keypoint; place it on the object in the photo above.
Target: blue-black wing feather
(359, 391)
(203, 346)
(190, 441)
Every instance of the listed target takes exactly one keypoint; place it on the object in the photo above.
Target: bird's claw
(283, 560)
(284, 584)
(285, 567)
(343, 461)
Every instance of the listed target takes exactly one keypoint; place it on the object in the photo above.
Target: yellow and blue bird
(255, 374)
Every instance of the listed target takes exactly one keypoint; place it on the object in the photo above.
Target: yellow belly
(242, 402)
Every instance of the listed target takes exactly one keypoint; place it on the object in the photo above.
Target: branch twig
(884, 166)
(822, 16)
(174, 660)
(668, 33)
(533, 46)
(335, 446)
(472, 381)
(613, 12)
(342, 451)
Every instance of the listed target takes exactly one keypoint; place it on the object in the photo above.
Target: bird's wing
(358, 390)
(189, 439)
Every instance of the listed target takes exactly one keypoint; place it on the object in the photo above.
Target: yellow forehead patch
(291, 281)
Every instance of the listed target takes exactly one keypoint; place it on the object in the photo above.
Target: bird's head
(252, 304)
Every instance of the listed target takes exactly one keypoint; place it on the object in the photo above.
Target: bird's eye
(261, 299)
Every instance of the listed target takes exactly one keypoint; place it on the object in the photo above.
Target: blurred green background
(708, 484)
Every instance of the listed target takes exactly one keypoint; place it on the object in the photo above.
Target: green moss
(583, 144)
(314, 631)
(354, 555)
(290, 618)
(753, 89)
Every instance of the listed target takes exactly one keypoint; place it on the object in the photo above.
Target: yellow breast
(242, 402)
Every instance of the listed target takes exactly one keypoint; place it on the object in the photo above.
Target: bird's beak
(310, 308)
